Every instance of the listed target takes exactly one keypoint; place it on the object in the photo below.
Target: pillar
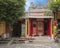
(51, 27)
(27, 27)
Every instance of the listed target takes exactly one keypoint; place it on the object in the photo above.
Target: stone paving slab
(40, 42)
(45, 45)
(3, 46)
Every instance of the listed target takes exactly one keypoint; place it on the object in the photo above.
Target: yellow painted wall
(2, 27)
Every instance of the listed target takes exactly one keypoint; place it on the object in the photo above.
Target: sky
(35, 1)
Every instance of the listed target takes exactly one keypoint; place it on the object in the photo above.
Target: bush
(58, 35)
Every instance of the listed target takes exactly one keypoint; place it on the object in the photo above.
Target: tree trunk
(55, 14)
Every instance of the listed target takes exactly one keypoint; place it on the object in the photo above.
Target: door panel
(40, 28)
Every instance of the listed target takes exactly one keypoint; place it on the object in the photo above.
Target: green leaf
(11, 10)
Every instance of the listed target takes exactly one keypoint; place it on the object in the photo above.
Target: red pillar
(49, 27)
(37, 29)
(31, 28)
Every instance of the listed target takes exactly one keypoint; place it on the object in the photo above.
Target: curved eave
(37, 17)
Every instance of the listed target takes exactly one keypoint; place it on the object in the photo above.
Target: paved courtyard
(39, 42)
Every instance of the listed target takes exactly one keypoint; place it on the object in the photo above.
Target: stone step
(42, 39)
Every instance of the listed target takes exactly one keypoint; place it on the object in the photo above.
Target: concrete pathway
(39, 42)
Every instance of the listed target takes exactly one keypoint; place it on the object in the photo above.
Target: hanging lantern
(55, 27)
(55, 23)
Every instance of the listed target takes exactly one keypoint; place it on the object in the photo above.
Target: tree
(55, 7)
(11, 10)
(48, 13)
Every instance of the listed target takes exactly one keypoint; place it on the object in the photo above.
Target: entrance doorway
(17, 29)
(41, 27)
(45, 26)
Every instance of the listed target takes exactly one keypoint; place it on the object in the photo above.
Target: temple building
(37, 22)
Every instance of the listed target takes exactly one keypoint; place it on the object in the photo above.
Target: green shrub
(58, 35)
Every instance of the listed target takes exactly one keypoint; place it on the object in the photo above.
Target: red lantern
(55, 22)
